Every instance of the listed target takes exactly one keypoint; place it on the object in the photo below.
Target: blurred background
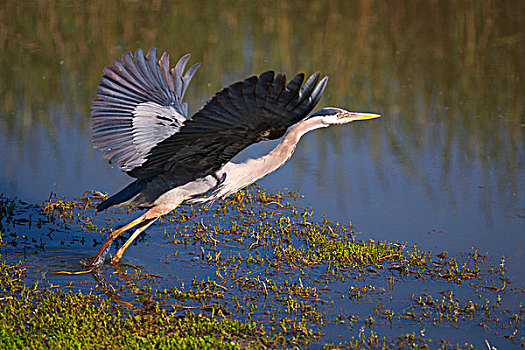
(443, 168)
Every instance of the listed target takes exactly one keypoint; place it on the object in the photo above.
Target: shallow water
(443, 168)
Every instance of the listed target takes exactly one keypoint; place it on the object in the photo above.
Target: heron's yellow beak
(352, 116)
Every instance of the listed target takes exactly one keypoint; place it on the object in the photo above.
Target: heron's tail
(124, 195)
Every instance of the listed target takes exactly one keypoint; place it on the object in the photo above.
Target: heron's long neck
(240, 175)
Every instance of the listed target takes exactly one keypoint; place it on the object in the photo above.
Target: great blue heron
(140, 122)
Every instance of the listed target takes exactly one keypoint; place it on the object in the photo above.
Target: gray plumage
(140, 122)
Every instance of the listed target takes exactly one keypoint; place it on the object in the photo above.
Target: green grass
(266, 274)
(33, 318)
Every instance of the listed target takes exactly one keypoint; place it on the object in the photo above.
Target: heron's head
(335, 116)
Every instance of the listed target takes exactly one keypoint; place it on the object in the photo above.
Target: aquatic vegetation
(255, 270)
(43, 318)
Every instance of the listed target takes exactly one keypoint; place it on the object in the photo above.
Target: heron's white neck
(240, 175)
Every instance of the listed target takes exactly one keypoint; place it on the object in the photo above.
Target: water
(443, 168)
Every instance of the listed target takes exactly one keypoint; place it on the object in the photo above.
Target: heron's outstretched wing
(139, 104)
(258, 108)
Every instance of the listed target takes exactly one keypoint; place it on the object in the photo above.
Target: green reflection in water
(447, 77)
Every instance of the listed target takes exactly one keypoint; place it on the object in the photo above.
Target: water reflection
(448, 78)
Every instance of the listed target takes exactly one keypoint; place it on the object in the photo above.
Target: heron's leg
(97, 259)
(144, 225)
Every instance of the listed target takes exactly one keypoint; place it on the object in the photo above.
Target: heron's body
(141, 123)
(162, 192)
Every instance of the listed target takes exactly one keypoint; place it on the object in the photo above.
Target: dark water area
(444, 168)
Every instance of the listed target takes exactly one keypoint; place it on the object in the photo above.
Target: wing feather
(248, 94)
(139, 119)
(237, 116)
(139, 104)
(188, 76)
(165, 69)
